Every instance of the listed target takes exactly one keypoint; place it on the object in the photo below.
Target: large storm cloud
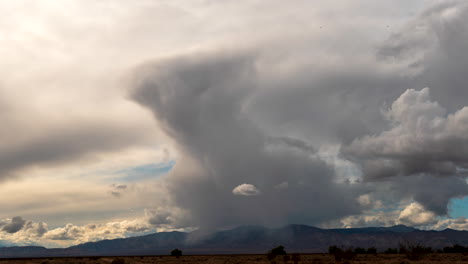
(238, 120)
(200, 101)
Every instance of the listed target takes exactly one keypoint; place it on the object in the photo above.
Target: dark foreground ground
(241, 259)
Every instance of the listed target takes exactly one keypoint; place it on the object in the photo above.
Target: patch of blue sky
(458, 207)
(143, 172)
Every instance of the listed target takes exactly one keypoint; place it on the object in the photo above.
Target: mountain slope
(252, 239)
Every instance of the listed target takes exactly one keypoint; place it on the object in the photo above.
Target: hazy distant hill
(252, 239)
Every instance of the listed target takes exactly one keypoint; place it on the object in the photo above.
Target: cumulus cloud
(69, 232)
(457, 224)
(372, 219)
(432, 47)
(199, 100)
(415, 214)
(37, 229)
(423, 140)
(14, 225)
(33, 233)
(246, 189)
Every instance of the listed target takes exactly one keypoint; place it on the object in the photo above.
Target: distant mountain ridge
(251, 239)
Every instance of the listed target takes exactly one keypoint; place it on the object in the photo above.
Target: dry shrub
(414, 251)
(341, 254)
(118, 261)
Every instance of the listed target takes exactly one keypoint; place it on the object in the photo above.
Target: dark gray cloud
(39, 229)
(426, 134)
(15, 225)
(116, 194)
(65, 144)
(237, 118)
(120, 186)
(434, 46)
(434, 193)
(199, 100)
(293, 143)
(422, 140)
(117, 190)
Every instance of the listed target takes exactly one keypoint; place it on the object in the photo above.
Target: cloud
(371, 219)
(120, 186)
(415, 214)
(200, 101)
(36, 229)
(15, 225)
(34, 233)
(272, 118)
(293, 143)
(69, 232)
(433, 192)
(457, 224)
(246, 189)
(283, 185)
(64, 144)
(431, 47)
(117, 190)
(422, 140)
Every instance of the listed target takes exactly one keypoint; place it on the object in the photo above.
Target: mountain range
(251, 240)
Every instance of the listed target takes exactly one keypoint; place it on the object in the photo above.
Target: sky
(122, 118)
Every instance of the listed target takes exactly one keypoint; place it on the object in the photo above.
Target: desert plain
(439, 258)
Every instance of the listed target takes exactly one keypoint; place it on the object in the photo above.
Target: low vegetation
(176, 252)
(406, 253)
(118, 261)
(455, 249)
(279, 250)
(342, 254)
(434, 258)
(414, 251)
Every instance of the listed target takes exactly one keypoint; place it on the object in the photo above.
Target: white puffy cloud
(364, 200)
(371, 219)
(460, 223)
(415, 215)
(34, 233)
(246, 189)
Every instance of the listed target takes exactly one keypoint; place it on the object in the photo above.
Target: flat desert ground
(247, 259)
